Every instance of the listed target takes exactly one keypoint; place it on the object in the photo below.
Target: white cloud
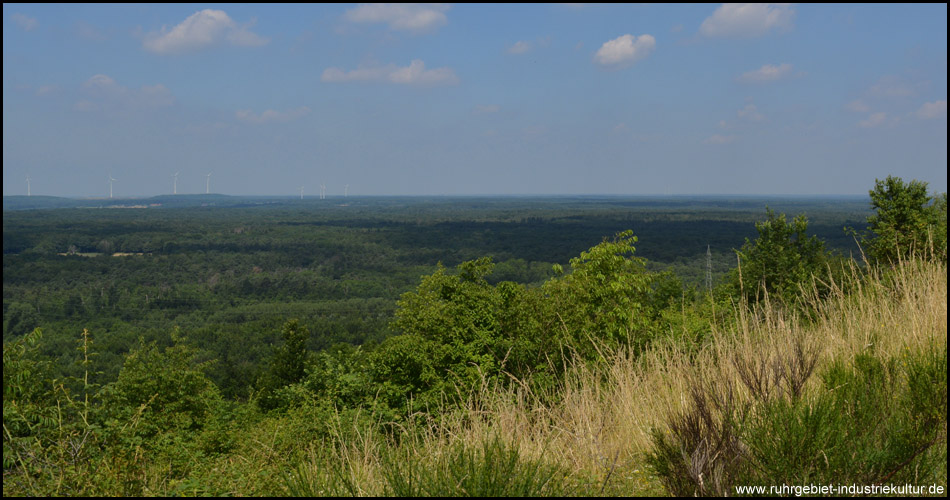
(719, 139)
(414, 74)
(625, 50)
(25, 22)
(270, 115)
(746, 20)
(417, 74)
(767, 73)
(749, 112)
(99, 81)
(102, 92)
(523, 46)
(200, 30)
(934, 109)
(876, 119)
(415, 18)
(520, 47)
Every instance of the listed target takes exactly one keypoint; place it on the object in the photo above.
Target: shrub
(872, 421)
(496, 469)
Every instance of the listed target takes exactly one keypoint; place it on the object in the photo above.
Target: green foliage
(411, 373)
(159, 424)
(51, 438)
(19, 319)
(339, 376)
(780, 261)
(452, 337)
(286, 366)
(496, 469)
(231, 276)
(872, 421)
(906, 221)
(456, 310)
(608, 299)
(164, 408)
(460, 331)
(600, 294)
(27, 398)
(160, 391)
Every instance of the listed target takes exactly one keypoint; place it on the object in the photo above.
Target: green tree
(21, 318)
(606, 299)
(451, 327)
(160, 391)
(286, 366)
(907, 220)
(779, 261)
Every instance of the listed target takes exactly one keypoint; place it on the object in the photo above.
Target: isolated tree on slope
(779, 260)
(907, 220)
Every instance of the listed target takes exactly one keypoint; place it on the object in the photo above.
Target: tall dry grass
(600, 429)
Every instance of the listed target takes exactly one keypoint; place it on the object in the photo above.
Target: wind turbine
(208, 183)
(175, 186)
(346, 187)
(28, 185)
(111, 180)
(301, 192)
(323, 191)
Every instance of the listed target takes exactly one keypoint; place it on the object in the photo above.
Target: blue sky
(440, 99)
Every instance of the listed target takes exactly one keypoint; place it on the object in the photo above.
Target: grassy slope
(597, 436)
(600, 432)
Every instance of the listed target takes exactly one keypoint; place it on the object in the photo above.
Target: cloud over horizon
(748, 20)
(102, 92)
(415, 18)
(625, 50)
(200, 30)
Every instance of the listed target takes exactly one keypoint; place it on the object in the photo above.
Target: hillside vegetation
(607, 377)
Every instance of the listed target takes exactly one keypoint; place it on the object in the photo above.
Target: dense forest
(431, 346)
(230, 276)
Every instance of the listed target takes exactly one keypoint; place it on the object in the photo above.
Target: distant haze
(438, 99)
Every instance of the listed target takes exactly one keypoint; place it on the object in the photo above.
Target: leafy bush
(162, 413)
(605, 300)
(460, 331)
(780, 260)
(872, 421)
(907, 221)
